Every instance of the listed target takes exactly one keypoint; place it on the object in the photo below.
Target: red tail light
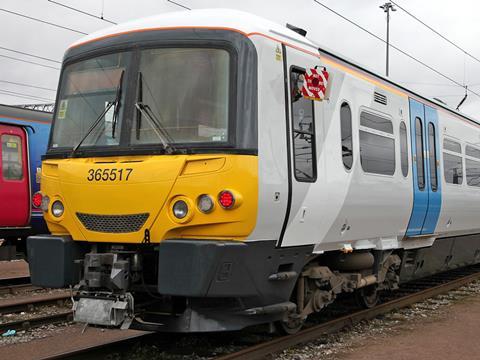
(37, 199)
(226, 199)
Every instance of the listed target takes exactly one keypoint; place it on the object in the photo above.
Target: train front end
(150, 182)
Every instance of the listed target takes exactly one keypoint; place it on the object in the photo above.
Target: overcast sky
(457, 20)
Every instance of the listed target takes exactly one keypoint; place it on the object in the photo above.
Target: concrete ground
(453, 336)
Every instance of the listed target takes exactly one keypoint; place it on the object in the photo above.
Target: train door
(14, 179)
(426, 183)
(298, 226)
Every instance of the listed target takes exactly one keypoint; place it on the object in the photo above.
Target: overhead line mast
(387, 7)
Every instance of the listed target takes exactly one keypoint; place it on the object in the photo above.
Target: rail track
(337, 319)
(407, 297)
(29, 304)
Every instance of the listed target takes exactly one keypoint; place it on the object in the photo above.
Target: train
(210, 170)
(23, 138)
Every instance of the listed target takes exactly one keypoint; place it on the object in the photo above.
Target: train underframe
(200, 285)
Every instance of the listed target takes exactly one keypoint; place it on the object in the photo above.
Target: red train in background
(23, 140)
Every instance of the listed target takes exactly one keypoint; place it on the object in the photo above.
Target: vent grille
(113, 223)
(380, 98)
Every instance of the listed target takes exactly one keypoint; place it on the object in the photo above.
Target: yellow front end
(117, 199)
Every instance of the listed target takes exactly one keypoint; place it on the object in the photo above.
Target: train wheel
(367, 297)
(291, 326)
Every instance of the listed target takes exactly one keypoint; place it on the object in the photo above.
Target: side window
(303, 127)
(452, 162)
(346, 134)
(419, 153)
(472, 166)
(377, 144)
(12, 165)
(432, 153)
(403, 149)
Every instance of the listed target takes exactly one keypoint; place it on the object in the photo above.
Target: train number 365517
(109, 174)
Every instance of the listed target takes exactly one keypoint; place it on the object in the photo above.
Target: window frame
(471, 158)
(453, 153)
(378, 133)
(244, 123)
(422, 138)
(296, 68)
(402, 122)
(21, 157)
(435, 145)
(346, 103)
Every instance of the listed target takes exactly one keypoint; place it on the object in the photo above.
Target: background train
(192, 186)
(23, 138)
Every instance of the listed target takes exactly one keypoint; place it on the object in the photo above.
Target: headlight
(57, 208)
(205, 203)
(180, 209)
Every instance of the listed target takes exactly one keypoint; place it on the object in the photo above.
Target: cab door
(14, 179)
(302, 135)
(426, 185)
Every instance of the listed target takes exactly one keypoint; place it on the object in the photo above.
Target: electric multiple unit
(192, 184)
(23, 139)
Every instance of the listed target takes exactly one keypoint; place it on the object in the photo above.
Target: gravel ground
(334, 346)
(327, 347)
(381, 328)
(25, 336)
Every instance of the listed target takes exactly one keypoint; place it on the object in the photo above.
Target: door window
(419, 153)
(403, 149)
(432, 153)
(12, 165)
(303, 126)
(346, 134)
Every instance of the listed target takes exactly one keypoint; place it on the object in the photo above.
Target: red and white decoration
(315, 84)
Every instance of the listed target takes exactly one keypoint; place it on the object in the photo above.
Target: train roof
(241, 21)
(19, 113)
(248, 24)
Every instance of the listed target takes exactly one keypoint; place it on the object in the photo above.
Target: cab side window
(12, 167)
(346, 134)
(303, 130)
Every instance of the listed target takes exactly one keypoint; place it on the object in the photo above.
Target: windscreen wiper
(115, 102)
(162, 134)
(145, 110)
(118, 96)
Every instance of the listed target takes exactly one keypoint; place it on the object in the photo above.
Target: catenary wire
(27, 85)
(43, 21)
(83, 12)
(19, 96)
(28, 62)
(178, 4)
(7, 92)
(395, 47)
(29, 54)
(435, 31)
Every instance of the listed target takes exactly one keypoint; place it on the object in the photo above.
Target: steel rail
(14, 289)
(35, 322)
(262, 350)
(28, 303)
(86, 349)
